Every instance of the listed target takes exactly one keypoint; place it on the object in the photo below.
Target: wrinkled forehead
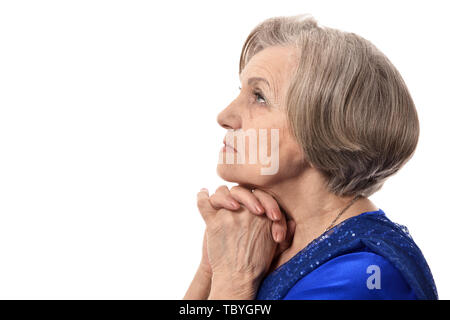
(273, 64)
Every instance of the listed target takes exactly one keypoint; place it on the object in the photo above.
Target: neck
(306, 200)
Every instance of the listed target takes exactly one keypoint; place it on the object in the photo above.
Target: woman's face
(264, 151)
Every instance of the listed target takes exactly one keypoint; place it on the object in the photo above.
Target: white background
(108, 130)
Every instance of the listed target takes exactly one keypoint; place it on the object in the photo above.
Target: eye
(258, 95)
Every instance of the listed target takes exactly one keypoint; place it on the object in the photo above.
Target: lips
(226, 145)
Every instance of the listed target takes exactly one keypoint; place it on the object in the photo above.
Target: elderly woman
(341, 121)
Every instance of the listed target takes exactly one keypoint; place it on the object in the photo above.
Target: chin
(247, 175)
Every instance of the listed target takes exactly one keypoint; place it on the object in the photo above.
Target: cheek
(290, 154)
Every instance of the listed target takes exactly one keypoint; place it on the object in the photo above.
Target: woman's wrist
(237, 287)
(200, 286)
(205, 269)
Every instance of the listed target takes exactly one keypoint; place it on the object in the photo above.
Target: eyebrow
(257, 79)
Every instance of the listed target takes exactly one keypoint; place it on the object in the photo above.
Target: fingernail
(277, 236)
(204, 189)
(259, 208)
(276, 214)
(235, 204)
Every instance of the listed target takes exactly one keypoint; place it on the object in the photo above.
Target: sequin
(370, 229)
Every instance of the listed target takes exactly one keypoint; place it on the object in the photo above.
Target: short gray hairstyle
(347, 105)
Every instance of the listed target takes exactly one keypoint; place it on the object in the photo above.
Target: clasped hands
(245, 232)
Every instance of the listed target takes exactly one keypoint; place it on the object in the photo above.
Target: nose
(229, 118)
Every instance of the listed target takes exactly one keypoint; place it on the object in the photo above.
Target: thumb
(203, 204)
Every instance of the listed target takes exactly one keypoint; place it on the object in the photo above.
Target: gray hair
(347, 105)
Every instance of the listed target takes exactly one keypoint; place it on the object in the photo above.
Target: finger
(205, 190)
(289, 236)
(203, 204)
(222, 199)
(248, 199)
(279, 229)
(270, 205)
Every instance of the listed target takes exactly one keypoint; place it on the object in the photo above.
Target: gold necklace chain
(343, 210)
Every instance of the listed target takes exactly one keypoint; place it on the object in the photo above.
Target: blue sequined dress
(364, 257)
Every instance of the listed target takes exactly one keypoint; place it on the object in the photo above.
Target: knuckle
(227, 218)
(223, 214)
(236, 189)
(213, 198)
(222, 188)
(216, 201)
